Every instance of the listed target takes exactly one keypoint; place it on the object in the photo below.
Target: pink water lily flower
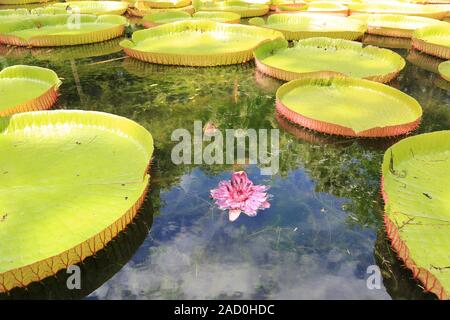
(240, 195)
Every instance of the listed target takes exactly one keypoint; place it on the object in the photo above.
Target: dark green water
(324, 227)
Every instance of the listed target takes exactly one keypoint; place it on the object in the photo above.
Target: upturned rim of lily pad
(245, 10)
(396, 228)
(386, 42)
(13, 12)
(405, 8)
(38, 265)
(100, 7)
(114, 27)
(23, 13)
(202, 58)
(293, 3)
(159, 18)
(142, 8)
(33, 74)
(394, 25)
(319, 7)
(323, 45)
(325, 121)
(301, 26)
(424, 39)
(22, 2)
(168, 4)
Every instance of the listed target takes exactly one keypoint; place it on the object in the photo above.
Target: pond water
(324, 227)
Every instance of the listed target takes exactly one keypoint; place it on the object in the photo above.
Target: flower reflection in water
(240, 195)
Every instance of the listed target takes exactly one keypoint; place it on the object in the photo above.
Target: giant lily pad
(316, 7)
(434, 40)
(61, 55)
(27, 88)
(94, 7)
(22, 13)
(160, 4)
(156, 19)
(395, 25)
(434, 2)
(416, 191)
(13, 12)
(444, 70)
(197, 43)
(296, 26)
(21, 2)
(55, 30)
(325, 56)
(71, 181)
(292, 3)
(408, 9)
(245, 10)
(143, 8)
(348, 107)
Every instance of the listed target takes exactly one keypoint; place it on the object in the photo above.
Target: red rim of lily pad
(336, 129)
(400, 245)
(31, 73)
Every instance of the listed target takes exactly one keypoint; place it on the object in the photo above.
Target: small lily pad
(27, 88)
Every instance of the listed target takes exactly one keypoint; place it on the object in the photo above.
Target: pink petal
(265, 205)
(234, 214)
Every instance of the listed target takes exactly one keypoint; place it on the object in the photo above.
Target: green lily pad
(327, 56)
(348, 107)
(161, 4)
(71, 181)
(54, 30)
(94, 7)
(13, 12)
(395, 25)
(444, 70)
(433, 40)
(27, 88)
(158, 18)
(218, 16)
(316, 7)
(21, 2)
(197, 43)
(22, 13)
(296, 26)
(245, 10)
(143, 8)
(276, 3)
(407, 9)
(416, 190)
(61, 55)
